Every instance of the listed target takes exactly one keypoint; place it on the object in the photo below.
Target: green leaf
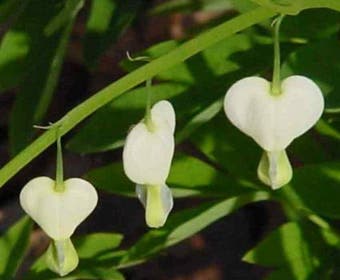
(186, 87)
(199, 179)
(67, 14)
(308, 61)
(293, 7)
(107, 20)
(44, 62)
(116, 89)
(315, 188)
(93, 250)
(109, 127)
(184, 224)
(13, 247)
(97, 244)
(189, 6)
(311, 24)
(89, 273)
(295, 250)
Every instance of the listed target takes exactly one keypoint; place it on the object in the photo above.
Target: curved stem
(276, 82)
(88, 107)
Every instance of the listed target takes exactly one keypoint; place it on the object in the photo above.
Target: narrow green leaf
(189, 6)
(13, 247)
(36, 90)
(199, 179)
(294, 250)
(109, 126)
(107, 20)
(186, 87)
(293, 7)
(67, 14)
(103, 97)
(97, 244)
(315, 188)
(184, 224)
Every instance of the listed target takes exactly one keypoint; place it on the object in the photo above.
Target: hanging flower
(58, 207)
(147, 156)
(274, 121)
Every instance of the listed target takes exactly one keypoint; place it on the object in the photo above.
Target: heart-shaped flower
(58, 213)
(147, 156)
(148, 151)
(274, 121)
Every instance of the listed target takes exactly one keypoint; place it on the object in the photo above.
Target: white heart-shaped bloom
(58, 213)
(274, 121)
(148, 153)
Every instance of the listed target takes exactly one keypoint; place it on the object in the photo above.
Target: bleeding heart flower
(58, 213)
(147, 157)
(274, 121)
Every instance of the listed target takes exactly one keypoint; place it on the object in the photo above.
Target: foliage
(194, 76)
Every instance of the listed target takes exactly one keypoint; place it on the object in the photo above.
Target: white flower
(147, 157)
(274, 121)
(58, 213)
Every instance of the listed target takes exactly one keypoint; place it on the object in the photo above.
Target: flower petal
(147, 155)
(62, 257)
(275, 169)
(163, 115)
(58, 213)
(157, 201)
(274, 121)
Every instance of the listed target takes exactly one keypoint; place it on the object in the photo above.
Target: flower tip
(157, 201)
(275, 169)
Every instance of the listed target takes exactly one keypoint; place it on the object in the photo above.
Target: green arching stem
(106, 95)
(147, 118)
(276, 82)
(59, 180)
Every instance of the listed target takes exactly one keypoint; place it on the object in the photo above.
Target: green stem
(89, 106)
(276, 82)
(59, 182)
(147, 118)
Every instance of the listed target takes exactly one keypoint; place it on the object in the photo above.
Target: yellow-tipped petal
(62, 257)
(275, 169)
(157, 201)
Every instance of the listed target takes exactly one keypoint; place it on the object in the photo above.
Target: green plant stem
(59, 178)
(276, 82)
(148, 120)
(89, 106)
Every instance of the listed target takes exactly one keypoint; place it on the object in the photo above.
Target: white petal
(157, 201)
(163, 114)
(274, 121)
(58, 213)
(147, 155)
